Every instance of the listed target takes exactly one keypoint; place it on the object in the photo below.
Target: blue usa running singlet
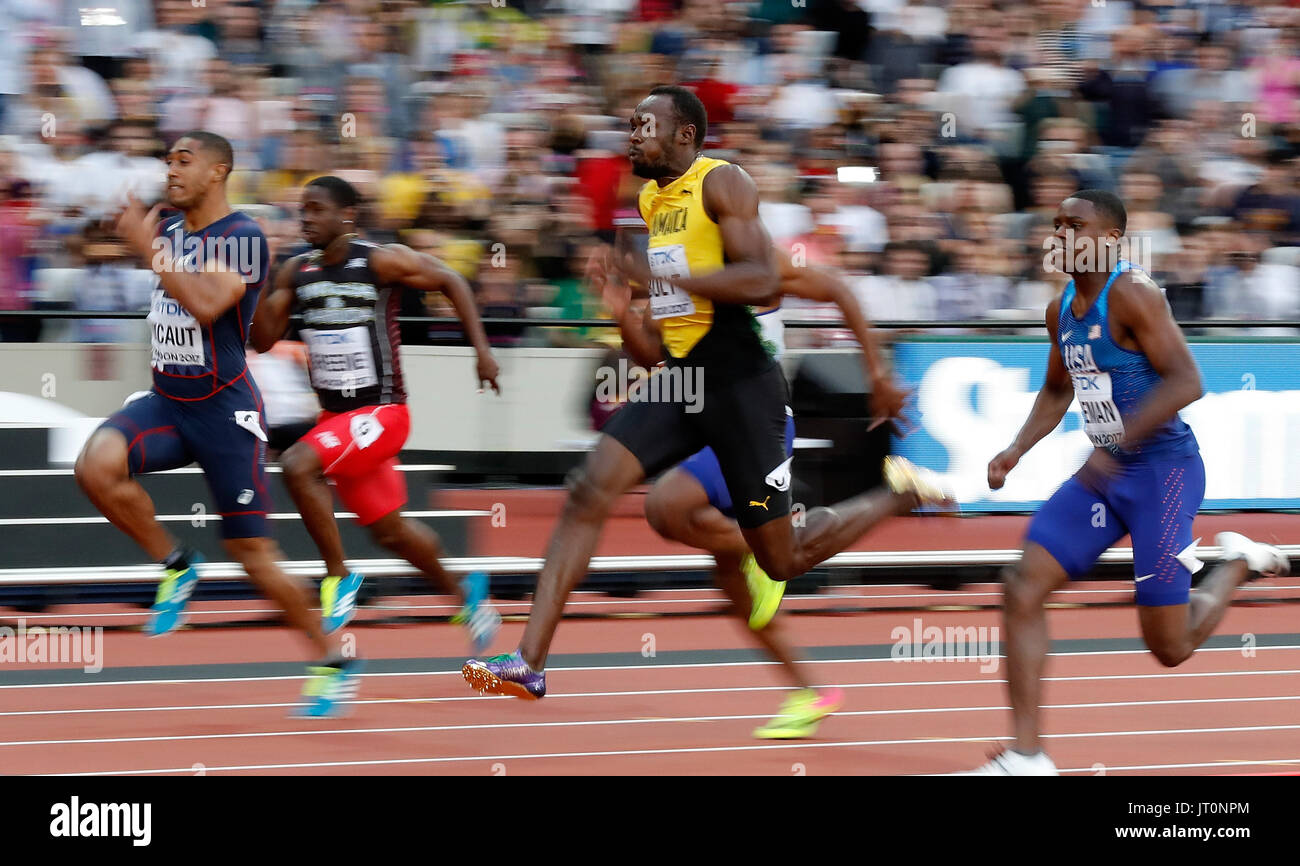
(1111, 382)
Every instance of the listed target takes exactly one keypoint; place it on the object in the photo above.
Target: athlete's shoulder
(708, 164)
(243, 225)
(645, 194)
(361, 253)
(171, 221)
(729, 183)
(1135, 287)
(1054, 305)
(1137, 280)
(1052, 315)
(714, 170)
(302, 261)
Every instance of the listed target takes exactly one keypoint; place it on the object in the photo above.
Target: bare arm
(1140, 307)
(271, 319)
(819, 284)
(750, 276)
(395, 263)
(206, 294)
(1054, 398)
(641, 336)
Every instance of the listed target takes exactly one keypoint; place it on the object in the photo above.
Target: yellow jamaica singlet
(686, 242)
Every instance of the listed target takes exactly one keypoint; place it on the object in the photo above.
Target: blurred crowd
(492, 134)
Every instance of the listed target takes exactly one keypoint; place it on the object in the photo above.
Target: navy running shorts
(225, 434)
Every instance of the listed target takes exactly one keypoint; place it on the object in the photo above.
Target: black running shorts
(742, 419)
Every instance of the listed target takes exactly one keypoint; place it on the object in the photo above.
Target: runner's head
(1087, 227)
(668, 129)
(328, 209)
(197, 165)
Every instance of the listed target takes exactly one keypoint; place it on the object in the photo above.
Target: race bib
(1101, 418)
(340, 359)
(177, 337)
(666, 299)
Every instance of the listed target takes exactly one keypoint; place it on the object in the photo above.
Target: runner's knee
(661, 515)
(101, 463)
(1169, 655)
(1019, 590)
(257, 556)
(588, 498)
(299, 463)
(388, 534)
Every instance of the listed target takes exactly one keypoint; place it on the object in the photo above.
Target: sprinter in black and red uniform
(348, 292)
(212, 263)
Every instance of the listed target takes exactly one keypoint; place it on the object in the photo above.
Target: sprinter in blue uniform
(204, 407)
(1119, 352)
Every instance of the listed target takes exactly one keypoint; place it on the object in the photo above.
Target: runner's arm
(1054, 397)
(208, 294)
(1140, 306)
(205, 294)
(749, 276)
(396, 263)
(271, 319)
(820, 284)
(641, 337)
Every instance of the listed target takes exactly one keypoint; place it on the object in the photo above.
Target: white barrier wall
(542, 407)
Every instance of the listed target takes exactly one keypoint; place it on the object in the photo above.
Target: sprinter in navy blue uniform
(1119, 352)
(204, 407)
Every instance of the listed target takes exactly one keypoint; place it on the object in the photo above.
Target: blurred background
(492, 134)
(470, 124)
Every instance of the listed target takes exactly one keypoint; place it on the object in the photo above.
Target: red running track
(687, 709)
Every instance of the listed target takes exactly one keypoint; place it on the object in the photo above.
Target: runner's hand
(999, 467)
(633, 266)
(886, 401)
(616, 293)
(138, 226)
(488, 370)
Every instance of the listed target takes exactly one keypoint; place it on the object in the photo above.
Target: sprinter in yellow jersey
(709, 261)
(690, 502)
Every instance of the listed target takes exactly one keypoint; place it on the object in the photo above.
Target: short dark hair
(687, 109)
(215, 145)
(1108, 205)
(342, 193)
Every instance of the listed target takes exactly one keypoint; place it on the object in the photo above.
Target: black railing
(909, 324)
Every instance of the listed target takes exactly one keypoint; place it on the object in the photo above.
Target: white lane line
(685, 665)
(272, 469)
(1265, 762)
(692, 750)
(953, 597)
(181, 518)
(690, 691)
(633, 721)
